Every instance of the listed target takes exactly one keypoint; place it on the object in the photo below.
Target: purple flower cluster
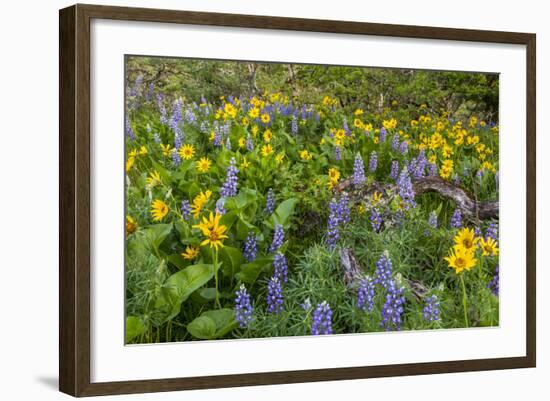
(373, 161)
(417, 166)
(280, 267)
(270, 202)
(249, 144)
(250, 248)
(384, 271)
(175, 122)
(365, 295)
(432, 170)
(375, 220)
(492, 232)
(358, 171)
(220, 206)
(243, 307)
(294, 125)
(430, 312)
(406, 191)
(338, 153)
(432, 219)
(456, 219)
(185, 209)
(333, 226)
(343, 208)
(229, 187)
(383, 134)
(274, 296)
(345, 126)
(494, 284)
(322, 319)
(278, 238)
(162, 109)
(394, 169)
(393, 308)
(176, 158)
(395, 142)
(403, 147)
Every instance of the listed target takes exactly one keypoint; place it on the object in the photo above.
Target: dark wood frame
(74, 199)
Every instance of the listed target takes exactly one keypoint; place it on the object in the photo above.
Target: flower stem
(464, 300)
(216, 277)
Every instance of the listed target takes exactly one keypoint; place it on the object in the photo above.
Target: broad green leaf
(213, 324)
(179, 286)
(228, 219)
(165, 174)
(177, 260)
(232, 259)
(244, 228)
(156, 234)
(134, 328)
(250, 271)
(283, 213)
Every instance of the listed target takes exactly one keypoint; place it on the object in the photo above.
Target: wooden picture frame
(74, 199)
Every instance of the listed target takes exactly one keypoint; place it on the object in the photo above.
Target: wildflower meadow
(267, 200)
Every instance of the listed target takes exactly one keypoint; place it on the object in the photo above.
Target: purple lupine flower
(373, 161)
(128, 129)
(280, 267)
(185, 209)
(420, 163)
(383, 134)
(156, 138)
(137, 85)
(384, 270)
(433, 170)
(395, 142)
(278, 238)
(456, 219)
(190, 117)
(375, 220)
(432, 219)
(322, 319)
(406, 191)
(403, 147)
(151, 92)
(250, 248)
(304, 112)
(294, 125)
(430, 312)
(494, 284)
(162, 109)
(249, 144)
(338, 153)
(358, 171)
(477, 231)
(394, 169)
(343, 209)
(243, 307)
(176, 158)
(220, 206)
(229, 187)
(456, 179)
(204, 128)
(176, 119)
(270, 202)
(274, 296)
(306, 305)
(333, 226)
(346, 127)
(218, 134)
(393, 307)
(365, 295)
(492, 232)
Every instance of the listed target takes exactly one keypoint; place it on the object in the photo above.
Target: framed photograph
(249, 200)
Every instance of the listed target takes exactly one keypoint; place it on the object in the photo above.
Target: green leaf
(244, 228)
(283, 213)
(177, 260)
(213, 324)
(156, 234)
(134, 328)
(165, 174)
(232, 259)
(228, 219)
(250, 271)
(179, 286)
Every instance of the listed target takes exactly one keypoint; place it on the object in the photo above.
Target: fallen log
(467, 203)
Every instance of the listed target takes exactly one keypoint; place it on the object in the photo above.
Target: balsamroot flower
(278, 238)
(250, 249)
(365, 295)
(393, 307)
(274, 295)
(322, 319)
(280, 267)
(159, 210)
(430, 312)
(358, 171)
(243, 307)
(229, 187)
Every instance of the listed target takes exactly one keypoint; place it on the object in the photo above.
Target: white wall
(28, 197)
